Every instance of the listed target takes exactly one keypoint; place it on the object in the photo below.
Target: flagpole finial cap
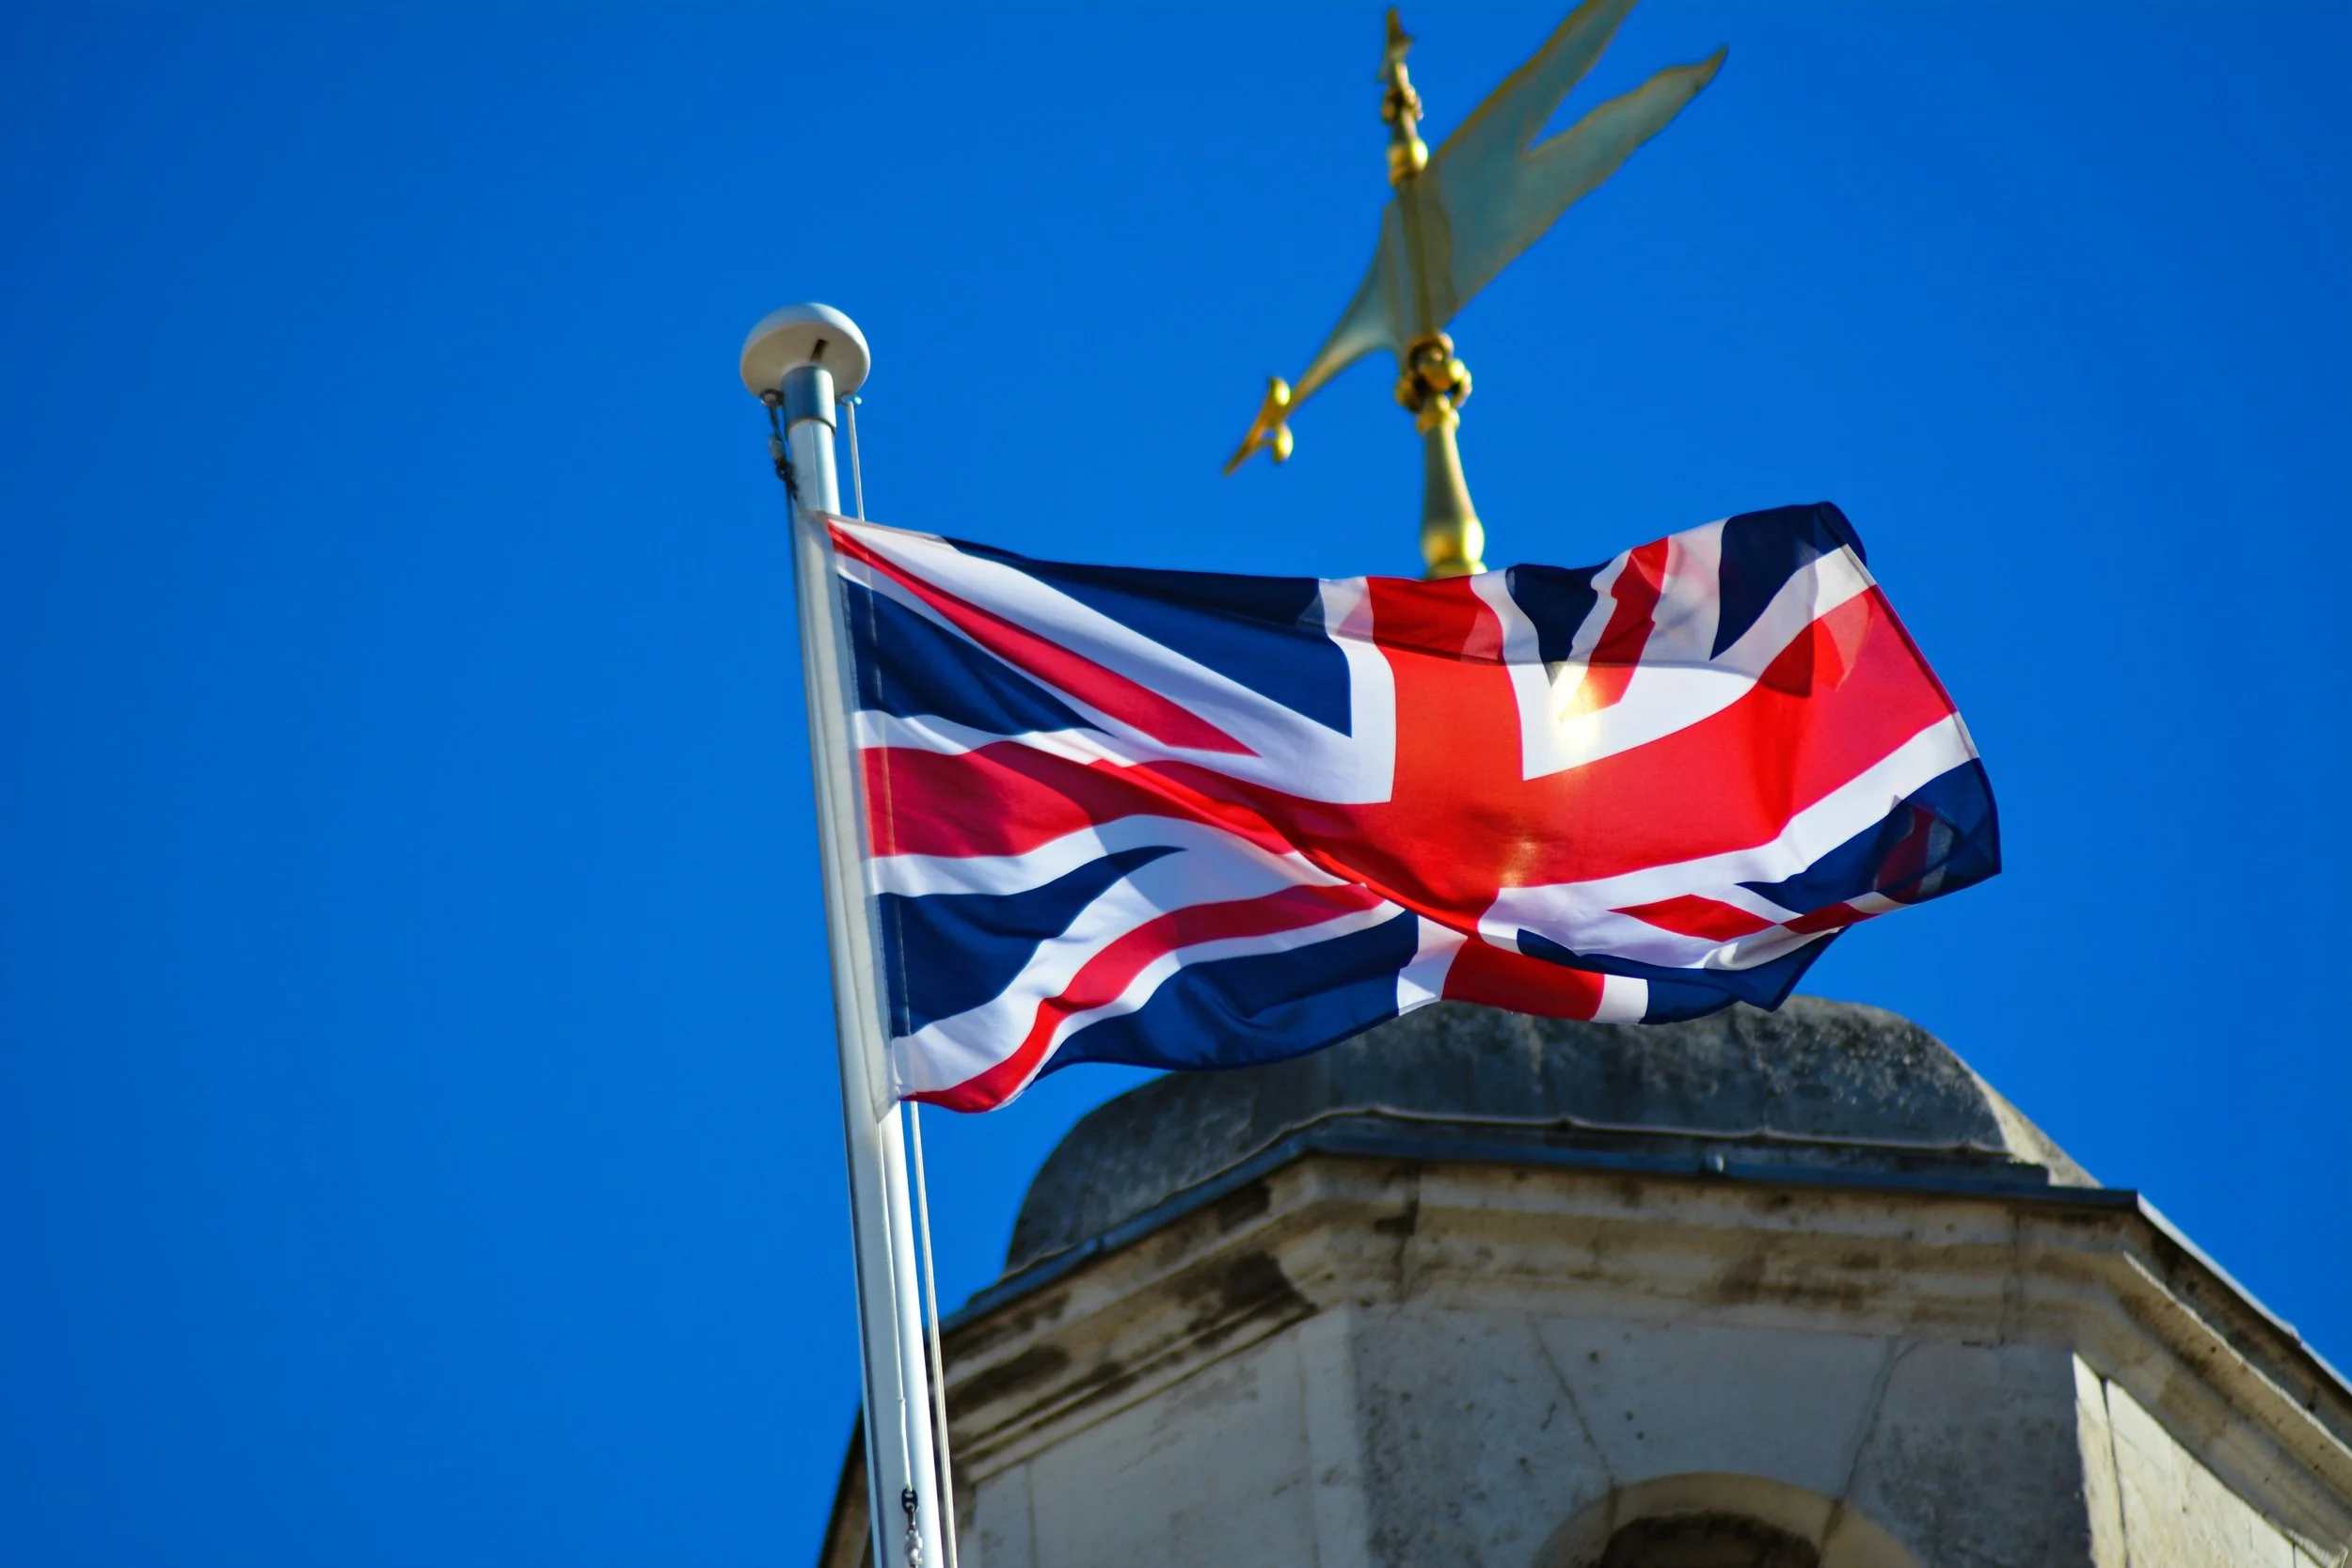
(805, 335)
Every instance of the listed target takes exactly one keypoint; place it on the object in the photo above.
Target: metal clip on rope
(776, 452)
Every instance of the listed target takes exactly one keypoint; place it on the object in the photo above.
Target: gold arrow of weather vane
(1459, 217)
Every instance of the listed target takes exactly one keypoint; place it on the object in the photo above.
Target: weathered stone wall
(1484, 1434)
(1217, 1471)
(1498, 1441)
(1364, 1366)
(1389, 1437)
(2153, 1503)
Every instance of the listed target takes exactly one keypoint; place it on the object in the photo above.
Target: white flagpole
(800, 360)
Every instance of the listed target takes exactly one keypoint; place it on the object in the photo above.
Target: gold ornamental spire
(1457, 218)
(1401, 108)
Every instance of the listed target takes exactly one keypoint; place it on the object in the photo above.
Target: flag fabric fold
(1184, 819)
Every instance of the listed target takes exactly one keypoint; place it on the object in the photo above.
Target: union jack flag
(1184, 819)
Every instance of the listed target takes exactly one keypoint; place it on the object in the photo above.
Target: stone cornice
(1347, 1214)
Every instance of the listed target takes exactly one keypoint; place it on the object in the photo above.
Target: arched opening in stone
(1719, 1519)
(1707, 1541)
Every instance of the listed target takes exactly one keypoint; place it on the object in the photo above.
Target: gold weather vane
(1458, 218)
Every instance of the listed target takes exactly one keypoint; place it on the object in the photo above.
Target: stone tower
(1476, 1289)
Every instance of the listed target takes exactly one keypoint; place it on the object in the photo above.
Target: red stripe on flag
(1907, 861)
(1444, 622)
(1636, 592)
(1693, 914)
(1501, 978)
(1009, 799)
(1831, 917)
(1106, 977)
(1107, 692)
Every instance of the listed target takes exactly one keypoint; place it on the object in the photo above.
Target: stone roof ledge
(1826, 1088)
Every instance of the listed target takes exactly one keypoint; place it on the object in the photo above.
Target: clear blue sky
(417, 1133)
